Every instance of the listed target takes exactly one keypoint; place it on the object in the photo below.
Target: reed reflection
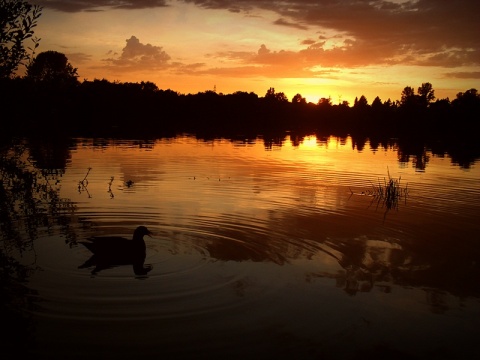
(31, 175)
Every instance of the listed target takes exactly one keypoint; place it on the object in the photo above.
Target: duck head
(140, 232)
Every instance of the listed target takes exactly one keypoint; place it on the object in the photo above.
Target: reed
(390, 192)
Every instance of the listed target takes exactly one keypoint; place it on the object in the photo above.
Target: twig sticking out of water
(84, 182)
(110, 187)
(82, 185)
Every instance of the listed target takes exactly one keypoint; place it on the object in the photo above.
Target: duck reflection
(111, 251)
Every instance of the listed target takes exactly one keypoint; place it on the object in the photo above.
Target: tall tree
(17, 20)
(407, 96)
(361, 103)
(377, 103)
(270, 93)
(426, 93)
(52, 67)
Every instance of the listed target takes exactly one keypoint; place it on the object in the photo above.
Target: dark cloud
(308, 42)
(98, 5)
(464, 75)
(416, 31)
(284, 22)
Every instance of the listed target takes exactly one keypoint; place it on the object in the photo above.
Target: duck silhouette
(112, 251)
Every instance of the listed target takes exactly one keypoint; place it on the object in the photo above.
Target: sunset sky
(318, 48)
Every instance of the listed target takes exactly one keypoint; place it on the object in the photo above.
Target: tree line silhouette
(103, 108)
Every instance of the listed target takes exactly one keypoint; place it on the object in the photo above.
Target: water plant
(390, 192)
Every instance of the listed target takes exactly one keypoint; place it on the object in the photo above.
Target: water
(256, 250)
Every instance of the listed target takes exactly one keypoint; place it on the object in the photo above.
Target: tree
(272, 96)
(468, 101)
(270, 93)
(426, 94)
(325, 102)
(361, 103)
(52, 67)
(149, 86)
(377, 103)
(299, 99)
(17, 20)
(469, 96)
(408, 94)
(281, 97)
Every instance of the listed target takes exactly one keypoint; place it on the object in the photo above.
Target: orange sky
(318, 48)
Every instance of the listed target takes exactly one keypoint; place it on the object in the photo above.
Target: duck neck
(138, 238)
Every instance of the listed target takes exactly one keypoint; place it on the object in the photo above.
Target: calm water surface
(256, 251)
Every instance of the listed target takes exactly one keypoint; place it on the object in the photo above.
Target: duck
(112, 251)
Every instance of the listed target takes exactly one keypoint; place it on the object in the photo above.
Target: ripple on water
(195, 270)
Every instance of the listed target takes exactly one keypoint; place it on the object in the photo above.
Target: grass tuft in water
(390, 192)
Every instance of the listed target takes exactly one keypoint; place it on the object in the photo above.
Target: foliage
(299, 99)
(325, 102)
(17, 21)
(422, 99)
(53, 67)
(360, 103)
(30, 201)
(407, 96)
(273, 96)
(426, 93)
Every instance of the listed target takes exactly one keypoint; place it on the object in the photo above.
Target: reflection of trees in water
(29, 204)
(29, 195)
(373, 264)
(16, 300)
(438, 265)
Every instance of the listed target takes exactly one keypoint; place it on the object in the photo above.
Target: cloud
(412, 32)
(284, 22)
(138, 56)
(464, 75)
(307, 62)
(267, 63)
(78, 58)
(98, 5)
(355, 33)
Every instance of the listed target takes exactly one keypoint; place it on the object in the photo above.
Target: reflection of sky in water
(288, 195)
(189, 176)
(269, 246)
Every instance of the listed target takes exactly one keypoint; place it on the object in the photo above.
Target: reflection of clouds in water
(245, 203)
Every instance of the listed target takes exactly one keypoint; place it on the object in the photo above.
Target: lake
(285, 248)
